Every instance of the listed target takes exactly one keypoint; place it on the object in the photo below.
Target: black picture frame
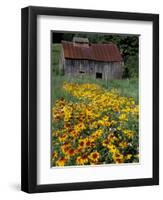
(29, 99)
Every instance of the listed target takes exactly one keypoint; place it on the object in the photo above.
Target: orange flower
(94, 156)
(65, 147)
(78, 150)
(61, 161)
(74, 133)
(118, 158)
(81, 160)
(63, 137)
(88, 142)
(82, 143)
(54, 155)
(105, 143)
(71, 152)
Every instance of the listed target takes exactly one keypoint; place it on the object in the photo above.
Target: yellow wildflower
(81, 160)
(61, 161)
(128, 156)
(94, 156)
(128, 133)
(123, 117)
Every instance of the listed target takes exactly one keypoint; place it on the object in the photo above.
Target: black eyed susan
(94, 156)
(61, 161)
(95, 125)
(81, 160)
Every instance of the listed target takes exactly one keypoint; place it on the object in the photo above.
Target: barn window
(98, 75)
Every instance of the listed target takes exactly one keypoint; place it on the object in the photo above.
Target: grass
(126, 87)
(56, 50)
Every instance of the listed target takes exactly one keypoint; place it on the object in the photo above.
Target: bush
(132, 67)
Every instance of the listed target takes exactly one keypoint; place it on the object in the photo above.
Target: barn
(99, 61)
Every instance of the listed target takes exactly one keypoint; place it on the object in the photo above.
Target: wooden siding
(108, 70)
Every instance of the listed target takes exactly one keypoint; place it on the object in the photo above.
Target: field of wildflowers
(98, 126)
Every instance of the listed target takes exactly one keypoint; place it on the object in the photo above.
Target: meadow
(93, 121)
(125, 87)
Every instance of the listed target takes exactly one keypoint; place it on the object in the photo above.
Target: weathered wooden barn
(100, 61)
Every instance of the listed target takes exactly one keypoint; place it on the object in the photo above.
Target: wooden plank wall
(109, 70)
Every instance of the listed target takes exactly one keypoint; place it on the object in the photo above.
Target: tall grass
(126, 87)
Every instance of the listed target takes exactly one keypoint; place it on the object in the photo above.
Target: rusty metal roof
(98, 52)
